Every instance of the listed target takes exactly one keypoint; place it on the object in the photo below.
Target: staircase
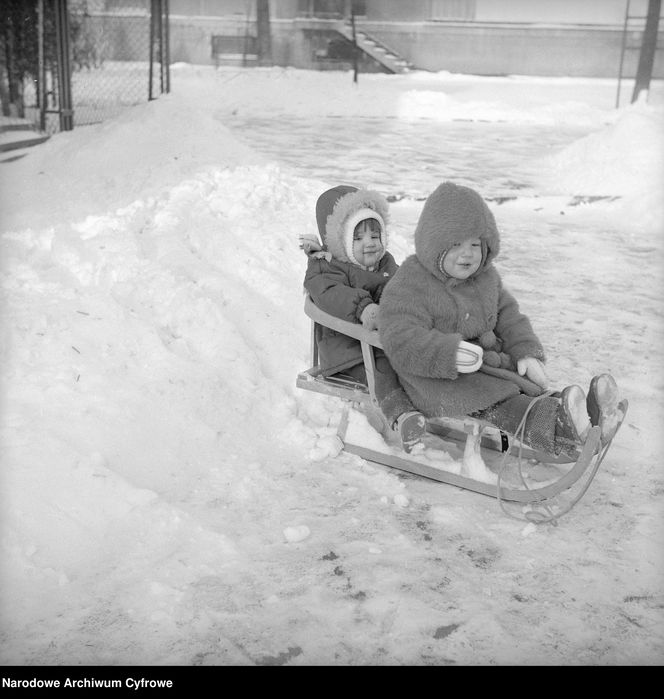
(388, 58)
(16, 136)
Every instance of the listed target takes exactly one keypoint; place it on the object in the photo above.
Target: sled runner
(463, 452)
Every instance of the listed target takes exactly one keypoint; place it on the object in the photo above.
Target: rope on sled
(544, 514)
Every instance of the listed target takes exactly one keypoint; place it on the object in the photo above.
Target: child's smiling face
(463, 259)
(367, 247)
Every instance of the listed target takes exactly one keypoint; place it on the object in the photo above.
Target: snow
(169, 497)
(297, 533)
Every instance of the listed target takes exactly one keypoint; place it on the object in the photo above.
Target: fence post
(648, 47)
(166, 49)
(153, 4)
(41, 67)
(64, 65)
(355, 47)
(159, 20)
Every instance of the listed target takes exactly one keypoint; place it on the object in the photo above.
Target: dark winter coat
(424, 313)
(344, 290)
(338, 286)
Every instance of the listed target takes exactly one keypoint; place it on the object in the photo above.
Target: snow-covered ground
(169, 497)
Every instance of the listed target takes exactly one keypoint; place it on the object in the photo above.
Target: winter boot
(410, 427)
(603, 406)
(573, 423)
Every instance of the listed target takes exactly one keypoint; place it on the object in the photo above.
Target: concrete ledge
(15, 140)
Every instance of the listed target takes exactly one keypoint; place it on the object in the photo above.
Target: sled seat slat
(310, 380)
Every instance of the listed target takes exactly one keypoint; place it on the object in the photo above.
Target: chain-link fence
(86, 59)
(113, 64)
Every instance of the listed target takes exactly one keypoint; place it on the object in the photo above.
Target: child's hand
(309, 244)
(369, 317)
(534, 370)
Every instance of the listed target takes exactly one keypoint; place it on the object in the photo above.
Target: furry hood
(340, 209)
(452, 214)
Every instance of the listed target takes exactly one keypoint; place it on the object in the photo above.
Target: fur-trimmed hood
(340, 209)
(452, 214)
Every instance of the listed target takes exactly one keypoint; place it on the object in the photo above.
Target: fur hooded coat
(336, 282)
(425, 313)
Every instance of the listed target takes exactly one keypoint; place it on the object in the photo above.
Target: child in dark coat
(448, 293)
(346, 278)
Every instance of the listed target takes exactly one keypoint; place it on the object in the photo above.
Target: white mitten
(468, 357)
(369, 317)
(309, 243)
(533, 370)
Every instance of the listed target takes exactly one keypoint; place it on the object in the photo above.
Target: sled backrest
(313, 380)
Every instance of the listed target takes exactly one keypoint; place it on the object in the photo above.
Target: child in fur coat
(448, 293)
(345, 278)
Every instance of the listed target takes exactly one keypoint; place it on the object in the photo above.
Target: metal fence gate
(67, 63)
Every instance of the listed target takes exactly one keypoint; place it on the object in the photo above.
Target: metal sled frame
(452, 432)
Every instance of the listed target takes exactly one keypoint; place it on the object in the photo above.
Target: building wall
(603, 12)
(393, 10)
(506, 49)
(214, 8)
(284, 9)
(579, 38)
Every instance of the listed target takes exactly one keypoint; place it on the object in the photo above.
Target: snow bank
(93, 168)
(622, 160)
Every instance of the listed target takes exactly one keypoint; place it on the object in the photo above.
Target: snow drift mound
(95, 168)
(624, 159)
(154, 328)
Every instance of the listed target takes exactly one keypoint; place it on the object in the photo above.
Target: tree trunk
(13, 101)
(264, 40)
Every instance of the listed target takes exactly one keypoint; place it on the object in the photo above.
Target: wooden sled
(466, 440)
